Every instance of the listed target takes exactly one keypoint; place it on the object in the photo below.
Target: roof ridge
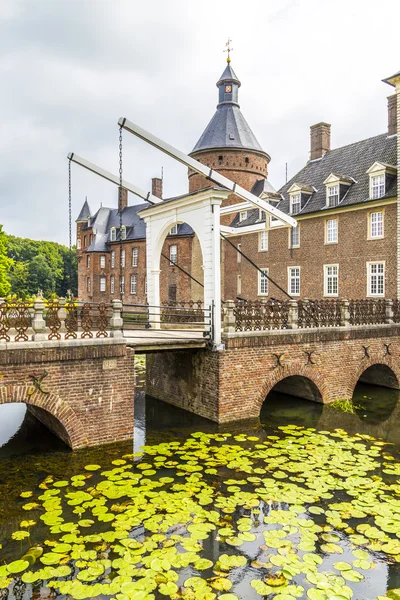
(354, 143)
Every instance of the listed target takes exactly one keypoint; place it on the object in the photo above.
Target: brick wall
(86, 394)
(230, 385)
(169, 275)
(233, 166)
(352, 252)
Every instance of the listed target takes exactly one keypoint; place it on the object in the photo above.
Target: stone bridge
(72, 365)
(321, 361)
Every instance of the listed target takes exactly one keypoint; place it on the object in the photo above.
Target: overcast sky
(70, 68)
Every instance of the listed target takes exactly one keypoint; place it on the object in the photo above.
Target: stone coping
(49, 344)
(308, 335)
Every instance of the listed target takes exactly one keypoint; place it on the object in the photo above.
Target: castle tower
(228, 145)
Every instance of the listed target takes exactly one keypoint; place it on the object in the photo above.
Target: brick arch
(386, 361)
(72, 431)
(295, 369)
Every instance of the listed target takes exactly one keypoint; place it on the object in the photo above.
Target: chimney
(156, 187)
(122, 198)
(392, 114)
(320, 135)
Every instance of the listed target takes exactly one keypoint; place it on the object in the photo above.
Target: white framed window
(113, 259)
(238, 285)
(174, 230)
(295, 204)
(376, 224)
(331, 231)
(263, 241)
(89, 284)
(331, 280)
(88, 260)
(102, 284)
(78, 244)
(263, 282)
(122, 258)
(122, 284)
(243, 215)
(123, 232)
(112, 284)
(239, 256)
(173, 253)
(294, 237)
(133, 284)
(294, 281)
(376, 278)
(332, 195)
(102, 262)
(135, 256)
(262, 215)
(377, 186)
(113, 234)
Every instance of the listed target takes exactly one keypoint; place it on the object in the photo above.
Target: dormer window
(113, 234)
(243, 215)
(381, 177)
(299, 194)
(377, 186)
(295, 204)
(333, 195)
(123, 232)
(337, 187)
(262, 215)
(174, 230)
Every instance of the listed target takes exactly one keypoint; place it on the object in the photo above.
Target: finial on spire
(228, 50)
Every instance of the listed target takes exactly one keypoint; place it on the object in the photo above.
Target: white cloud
(71, 68)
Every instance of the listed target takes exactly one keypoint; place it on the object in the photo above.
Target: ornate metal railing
(260, 316)
(182, 312)
(319, 313)
(247, 316)
(39, 320)
(367, 312)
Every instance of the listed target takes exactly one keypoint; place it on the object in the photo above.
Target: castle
(347, 243)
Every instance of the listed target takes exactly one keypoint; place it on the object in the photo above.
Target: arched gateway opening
(299, 387)
(381, 375)
(294, 399)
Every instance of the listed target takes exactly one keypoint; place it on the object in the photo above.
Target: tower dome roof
(228, 128)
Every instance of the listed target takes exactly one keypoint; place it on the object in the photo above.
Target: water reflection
(11, 418)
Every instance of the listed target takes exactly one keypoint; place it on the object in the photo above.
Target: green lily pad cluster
(300, 514)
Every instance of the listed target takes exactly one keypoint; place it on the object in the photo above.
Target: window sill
(331, 295)
(266, 250)
(331, 243)
(293, 247)
(377, 237)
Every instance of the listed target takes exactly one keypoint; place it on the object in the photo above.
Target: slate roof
(352, 161)
(229, 75)
(85, 212)
(228, 128)
(263, 186)
(106, 218)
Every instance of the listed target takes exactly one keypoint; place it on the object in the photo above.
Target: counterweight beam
(196, 166)
(113, 178)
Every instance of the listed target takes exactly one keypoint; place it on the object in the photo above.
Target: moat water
(318, 536)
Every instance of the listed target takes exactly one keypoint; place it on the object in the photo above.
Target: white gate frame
(201, 211)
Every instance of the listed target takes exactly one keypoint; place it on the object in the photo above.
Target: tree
(5, 265)
(19, 277)
(41, 276)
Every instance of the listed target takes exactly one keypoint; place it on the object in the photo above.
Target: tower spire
(228, 50)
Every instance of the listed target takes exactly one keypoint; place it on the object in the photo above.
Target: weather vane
(228, 49)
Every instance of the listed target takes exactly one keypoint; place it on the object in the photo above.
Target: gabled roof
(354, 160)
(107, 218)
(85, 212)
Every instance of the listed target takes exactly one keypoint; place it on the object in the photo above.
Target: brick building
(345, 200)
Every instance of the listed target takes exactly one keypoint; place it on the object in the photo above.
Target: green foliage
(5, 265)
(346, 406)
(35, 265)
